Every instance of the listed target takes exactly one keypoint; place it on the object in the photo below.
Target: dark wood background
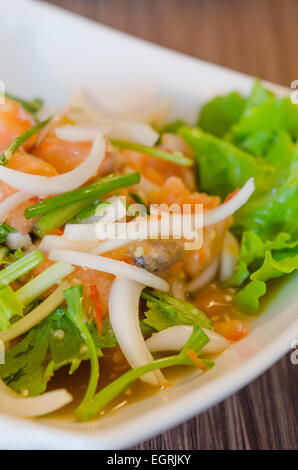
(258, 37)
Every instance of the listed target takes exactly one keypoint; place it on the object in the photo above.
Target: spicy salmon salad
(133, 251)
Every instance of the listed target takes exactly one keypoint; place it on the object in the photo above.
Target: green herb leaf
(164, 311)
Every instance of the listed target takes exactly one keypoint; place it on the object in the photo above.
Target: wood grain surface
(258, 37)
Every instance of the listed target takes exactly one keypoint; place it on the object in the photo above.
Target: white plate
(48, 52)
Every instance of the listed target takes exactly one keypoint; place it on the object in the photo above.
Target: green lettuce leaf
(218, 115)
(223, 167)
(263, 111)
(247, 300)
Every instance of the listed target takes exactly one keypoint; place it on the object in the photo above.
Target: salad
(97, 311)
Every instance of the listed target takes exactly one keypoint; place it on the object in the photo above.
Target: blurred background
(258, 37)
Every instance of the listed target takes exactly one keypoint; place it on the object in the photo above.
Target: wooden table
(258, 37)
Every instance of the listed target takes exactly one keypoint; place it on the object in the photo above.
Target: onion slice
(131, 131)
(228, 208)
(206, 276)
(108, 265)
(15, 404)
(175, 337)
(47, 185)
(52, 242)
(229, 257)
(124, 316)
(13, 201)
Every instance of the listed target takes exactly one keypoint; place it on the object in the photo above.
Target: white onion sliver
(15, 404)
(47, 185)
(51, 242)
(112, 266)
(206, 276)
(228, 208)
(175, 337)
(131, 131)
(229, 257)
(13, 201)
(124, 316)
(108, 245)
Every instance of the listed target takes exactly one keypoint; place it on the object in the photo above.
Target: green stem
(21, 267)
(94, 373)
(111, 391)
(44, 281)
(16, 143)
(58, 218)
(32, 106)
(154, 151)
(90, 192)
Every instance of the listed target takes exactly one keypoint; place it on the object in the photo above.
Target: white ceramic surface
(47, 52)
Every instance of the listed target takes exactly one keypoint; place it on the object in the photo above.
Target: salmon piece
(154, 169)
(27, 163)
(174, 191)
(14, 121)
(65, 156)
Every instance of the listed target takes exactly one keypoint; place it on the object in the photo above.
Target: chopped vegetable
(41, 283)
(164, 311)
(89, 193)
(21, 267)
(154, 152)
(74, 312)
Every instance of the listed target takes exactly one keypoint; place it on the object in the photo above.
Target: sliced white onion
(228, 208)
(206, 276)
(124, 316)
(175, 337)
(11, 202)
(35, 316)
(112, 266)
(108, 245)
(131, 131)
(52, 242)
(15, 404)
(17, 240)
(229, 257)
(47, 185)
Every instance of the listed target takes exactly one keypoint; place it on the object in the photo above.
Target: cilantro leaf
(164, 311)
